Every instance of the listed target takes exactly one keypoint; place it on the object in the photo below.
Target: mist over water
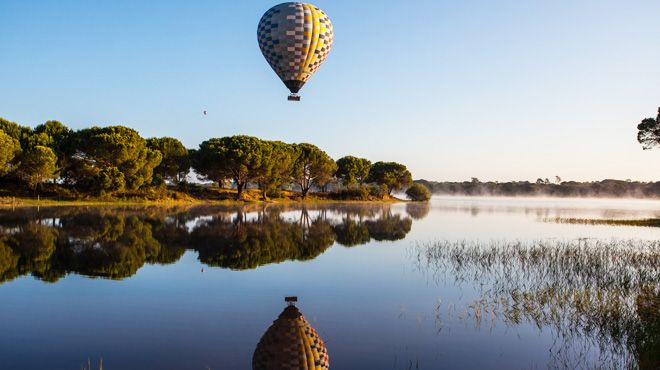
(459, 283)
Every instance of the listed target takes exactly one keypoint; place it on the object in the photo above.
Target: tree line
(103, 160)
(544, 187)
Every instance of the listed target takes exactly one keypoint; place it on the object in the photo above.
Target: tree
(352, 170)
(649, 132)
(54, 135)
(312, 166)
(391, 174)
(175, 162)
(9, 149)
(38, 164)
(276, 160)
(418, 193)
(15, 130)
(99, 149)
(236, 157)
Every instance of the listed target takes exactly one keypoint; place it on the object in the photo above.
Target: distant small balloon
(204, 112)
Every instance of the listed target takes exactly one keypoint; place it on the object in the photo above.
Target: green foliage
(101, 160)
(99, 149)
(54, 135)
(109, 180)
(312, 166)
(378, 191)
(649, 132)
(37, 165)
(391, 174)
(352, 170)
(14, 130)
(418, 193)
(361, 193)
(276, 161)
(236, 157)
(9, 149)
(175, 162)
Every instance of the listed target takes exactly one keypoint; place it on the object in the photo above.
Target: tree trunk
(263, 192)
(239, 189)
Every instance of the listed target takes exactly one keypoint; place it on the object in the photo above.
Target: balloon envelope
(295, 39)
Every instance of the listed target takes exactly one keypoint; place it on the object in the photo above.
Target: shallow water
(461, 283)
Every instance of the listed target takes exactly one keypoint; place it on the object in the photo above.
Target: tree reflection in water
(595, 295)
(115, 242)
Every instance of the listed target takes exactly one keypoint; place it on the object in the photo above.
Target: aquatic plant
(592, 293)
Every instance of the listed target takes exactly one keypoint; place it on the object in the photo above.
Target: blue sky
(499, 90)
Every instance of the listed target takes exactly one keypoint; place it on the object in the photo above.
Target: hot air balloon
(290, 343)
(295, 39)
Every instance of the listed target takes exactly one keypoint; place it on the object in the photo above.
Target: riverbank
(170, 197)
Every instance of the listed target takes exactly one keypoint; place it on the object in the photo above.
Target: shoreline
(47, 202)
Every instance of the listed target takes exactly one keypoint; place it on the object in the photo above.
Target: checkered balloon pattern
(295, 38)
(290, 344)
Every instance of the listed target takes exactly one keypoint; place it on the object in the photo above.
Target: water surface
(461, 283)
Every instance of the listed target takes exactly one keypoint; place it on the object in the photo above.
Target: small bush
(418, 193)
(350, 194)
(378, 191)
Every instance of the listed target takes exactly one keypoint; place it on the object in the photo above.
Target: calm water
(457, 284)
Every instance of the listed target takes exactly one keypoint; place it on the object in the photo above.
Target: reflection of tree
(115, 242)
(351, 233)
(8, 261)
(418, 210)
(268, 239)
(593, 294)
(389, 227)
(118, 249)
(35, 245)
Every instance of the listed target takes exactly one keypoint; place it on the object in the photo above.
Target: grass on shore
(172, 196)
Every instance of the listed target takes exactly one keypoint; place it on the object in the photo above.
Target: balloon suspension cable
(294, 97)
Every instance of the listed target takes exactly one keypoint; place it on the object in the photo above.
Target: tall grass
(592, 293)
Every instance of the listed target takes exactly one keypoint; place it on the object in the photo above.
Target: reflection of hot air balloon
(290, 343)
(295, 39)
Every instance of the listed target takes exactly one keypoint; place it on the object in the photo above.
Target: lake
(460, 283)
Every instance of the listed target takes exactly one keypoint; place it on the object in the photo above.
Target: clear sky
(498, 90)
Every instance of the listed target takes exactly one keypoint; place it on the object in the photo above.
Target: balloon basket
(293, 97)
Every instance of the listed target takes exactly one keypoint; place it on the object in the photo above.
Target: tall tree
(104, 149)
(38, 165)
(352, 170)
(649, 132)
(9, 149)
(14, 130)
(391, 174)
(312, 167)
(235, 157)
(276, 160)
(175, 162)
(54, 135)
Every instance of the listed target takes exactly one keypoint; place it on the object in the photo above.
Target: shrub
(418, 193)
(378, 191)
(350, 194)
